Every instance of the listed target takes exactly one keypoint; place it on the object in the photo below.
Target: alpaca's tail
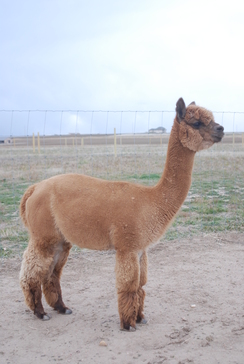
(23, 201)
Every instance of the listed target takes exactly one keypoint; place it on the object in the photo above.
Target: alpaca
(101, 215)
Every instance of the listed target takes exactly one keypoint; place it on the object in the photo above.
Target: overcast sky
(119, 55)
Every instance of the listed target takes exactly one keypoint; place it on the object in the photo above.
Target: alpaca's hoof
(68, 311)
(130, 329)
(65, 311)
(143, 322)
(42, 316)
(45, 318)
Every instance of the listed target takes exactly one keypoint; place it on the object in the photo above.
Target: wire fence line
(49, 122)
(127, 147)
(105, 111)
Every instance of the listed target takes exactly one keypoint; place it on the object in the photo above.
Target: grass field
(215, 201)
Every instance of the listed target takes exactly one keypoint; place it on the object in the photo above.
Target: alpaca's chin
(206, 145)
(217, 138)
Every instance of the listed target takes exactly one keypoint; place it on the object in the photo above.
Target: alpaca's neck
(175, 182)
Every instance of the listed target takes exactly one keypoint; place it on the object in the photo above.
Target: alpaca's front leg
(141, 292)
(127, 282)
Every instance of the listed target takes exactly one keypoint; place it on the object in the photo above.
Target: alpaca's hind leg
(51, 283)
(34, 267)
(127, 282)
(141, 292)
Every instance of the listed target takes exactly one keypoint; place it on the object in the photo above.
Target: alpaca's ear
(192, 103)
(180, 109)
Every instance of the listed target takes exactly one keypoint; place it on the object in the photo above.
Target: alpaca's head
(197, 128)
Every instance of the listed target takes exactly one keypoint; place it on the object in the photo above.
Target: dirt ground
(194, 306)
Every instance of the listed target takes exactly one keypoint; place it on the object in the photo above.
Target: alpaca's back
(86, 211)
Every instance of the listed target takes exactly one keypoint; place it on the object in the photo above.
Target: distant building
(6, 140)
(159, 130)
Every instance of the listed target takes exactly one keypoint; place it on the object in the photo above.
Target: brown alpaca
(101, 215)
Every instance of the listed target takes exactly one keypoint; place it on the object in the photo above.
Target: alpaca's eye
(197, 124)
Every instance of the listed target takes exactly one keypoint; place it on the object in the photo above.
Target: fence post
(33, 142)
(243, 139)
(233, 138)
(115, 143)
(82, 142)
(38, 142)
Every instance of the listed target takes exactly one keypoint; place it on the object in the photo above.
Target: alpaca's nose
(219, 128)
